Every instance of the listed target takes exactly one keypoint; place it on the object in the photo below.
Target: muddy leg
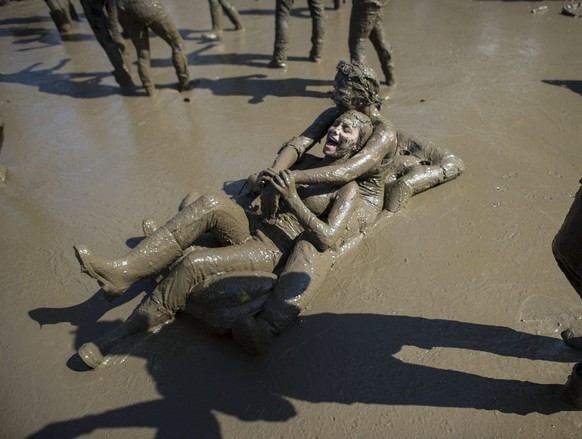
(282, 13)
(382, 48)
(304, 273)
(60, 15)
(114, 27)
(168, 298)
(140, 38)
(94, 12)
(232, 14)
(362, 21)
(420, 166)
(216, 17)
(72, 11)
(166, 29)
(317, 29)
(211, 213)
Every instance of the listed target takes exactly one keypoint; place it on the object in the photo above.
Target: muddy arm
(382, 144)
(292, 150)
(322, 234)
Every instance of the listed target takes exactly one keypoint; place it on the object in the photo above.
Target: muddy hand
(269, 201)
(284, 183)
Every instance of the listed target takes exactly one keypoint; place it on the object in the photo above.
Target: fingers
(282, 179)
(268, 174)
(254, 183)
(278, 184)
(287, 176)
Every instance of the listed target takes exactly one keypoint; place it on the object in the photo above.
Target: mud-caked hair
(363, 80)
(363, 123)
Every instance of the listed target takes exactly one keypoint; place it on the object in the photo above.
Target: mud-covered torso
(319, 200)
(371, 185)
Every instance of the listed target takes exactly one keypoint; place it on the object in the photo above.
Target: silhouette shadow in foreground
(342, 359)
(572, 85)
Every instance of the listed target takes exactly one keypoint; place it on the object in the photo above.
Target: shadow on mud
(88, 85)
(572, 85)
(342, 359)
(50, 80)
(258, 87)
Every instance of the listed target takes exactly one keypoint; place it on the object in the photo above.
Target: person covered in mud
(355, 88)
(413, 166)
(567, 249)
(281, 45)
(63, 13)
(367, 22)
(216, 9)
(252, 242)
(417, 164)
(136, 17)
(102, 17)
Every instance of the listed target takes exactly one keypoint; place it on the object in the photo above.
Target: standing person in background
(282, 13)
(136, 17)
(216, 8)
(63, 13)
(103, 26)
(367, 22)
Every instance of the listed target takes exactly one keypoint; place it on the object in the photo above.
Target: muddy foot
(92, 355)
(573, 338)
(89, 265)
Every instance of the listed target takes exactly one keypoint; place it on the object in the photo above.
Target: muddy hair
(363, 80)
(363, 123)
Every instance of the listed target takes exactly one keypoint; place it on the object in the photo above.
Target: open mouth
(331, 143)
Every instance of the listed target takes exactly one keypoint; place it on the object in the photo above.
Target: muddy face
(342, 137)
(344, 95)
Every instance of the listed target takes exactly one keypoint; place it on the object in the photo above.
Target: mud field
(445, 323)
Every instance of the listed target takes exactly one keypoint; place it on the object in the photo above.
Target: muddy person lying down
(324, 215)
(307, 214)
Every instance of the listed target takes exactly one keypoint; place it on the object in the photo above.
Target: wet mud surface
(444, 323)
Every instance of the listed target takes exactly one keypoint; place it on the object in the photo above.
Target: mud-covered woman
(251, 241)
(405, 164)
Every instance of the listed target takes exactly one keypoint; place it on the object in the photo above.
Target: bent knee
(215, 200)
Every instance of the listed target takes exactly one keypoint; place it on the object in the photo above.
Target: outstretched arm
(382, 144)
(295, 148)
(324, 235)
